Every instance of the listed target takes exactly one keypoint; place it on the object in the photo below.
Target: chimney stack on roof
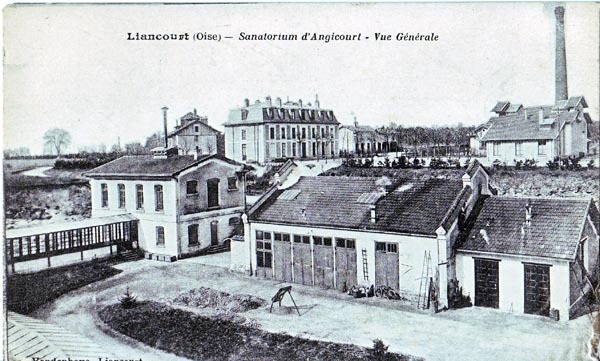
(246, 102)
(373, 215)
(268, 100)
(278, 102)
(300, 102)
(317, 102)
(561, 89)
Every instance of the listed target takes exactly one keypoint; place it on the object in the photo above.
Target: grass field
(199, 337)
(27, 292)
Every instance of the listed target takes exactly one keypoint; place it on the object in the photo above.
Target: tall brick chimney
(561, 56)
(164, 109)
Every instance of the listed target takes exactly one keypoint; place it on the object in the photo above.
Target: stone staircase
(130, 255)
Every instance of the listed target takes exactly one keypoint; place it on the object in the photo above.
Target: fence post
(47, 241)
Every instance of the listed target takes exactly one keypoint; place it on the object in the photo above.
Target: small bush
(380, 350)
(128, 300)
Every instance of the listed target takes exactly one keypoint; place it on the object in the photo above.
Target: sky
(72, 67)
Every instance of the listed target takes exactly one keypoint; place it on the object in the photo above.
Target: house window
(191, 187)
(104, 188)
(212, 186)
(244, 155)
(158, 197)
(293, 149)
(193, 234)
(283, 150)
(160, 236)
(281, 237)
(541, 147)
(139, 200)
(121, 188)
(272, 133)
(282, 133)
(196, 128)
(232, 183)
(519, 148)
(313, 133)
(243, 134)
(496, 147)
(322, 132)
(196, 138)
(303, 133)
(293, 133)
(263, 249)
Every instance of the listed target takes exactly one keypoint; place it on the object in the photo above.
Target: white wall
(511, 278)
(148, 217)
(411, 251)
(529, 150)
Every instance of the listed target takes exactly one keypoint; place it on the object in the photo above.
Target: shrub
(379, 350)
(128, 300)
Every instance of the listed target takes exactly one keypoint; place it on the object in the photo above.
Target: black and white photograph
(301, 181)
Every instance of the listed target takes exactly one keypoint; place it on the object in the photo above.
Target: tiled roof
(574, 101)
(419, 209)
(500, 107)
(327, 201)
(516, 127)
(413, 206)
(194, 122)
(594, 131)
(554, 230)
(146, 165)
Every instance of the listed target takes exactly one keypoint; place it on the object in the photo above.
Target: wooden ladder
(425, 283)
(365, 265)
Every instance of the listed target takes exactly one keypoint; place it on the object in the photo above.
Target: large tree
(57, 139)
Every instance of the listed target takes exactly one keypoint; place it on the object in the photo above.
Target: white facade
(511, 280)
(164, 228)
(542, 151)
(411, 251)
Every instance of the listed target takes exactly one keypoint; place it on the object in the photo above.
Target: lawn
(199, 337)
(27, 292)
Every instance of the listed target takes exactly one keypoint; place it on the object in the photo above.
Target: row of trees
(419, 140)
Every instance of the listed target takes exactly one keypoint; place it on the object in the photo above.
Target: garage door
(302, 260)
(323, 262)
(386, 265)
(537, 289)
(486, 283)
(282, 254)
(345, 263)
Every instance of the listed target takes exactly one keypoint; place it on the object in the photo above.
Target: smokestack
(373, 215)
(561, 56)
(164, 109)
(246, 102)
(317, 102)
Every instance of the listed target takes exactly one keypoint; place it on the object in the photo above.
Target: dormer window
(196, 128)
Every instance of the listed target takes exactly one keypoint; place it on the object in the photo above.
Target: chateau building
(268, 130)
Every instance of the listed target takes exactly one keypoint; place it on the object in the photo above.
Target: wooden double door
(537, 289)
(487, 293)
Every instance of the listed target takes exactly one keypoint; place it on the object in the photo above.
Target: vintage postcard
(301, 181)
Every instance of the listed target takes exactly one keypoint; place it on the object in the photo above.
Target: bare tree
(57, 139)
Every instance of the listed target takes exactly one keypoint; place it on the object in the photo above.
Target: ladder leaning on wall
(365, 265)
(425, 284)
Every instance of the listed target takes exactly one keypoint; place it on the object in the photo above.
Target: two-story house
(268, 130)
(183, 203)
(192, 134)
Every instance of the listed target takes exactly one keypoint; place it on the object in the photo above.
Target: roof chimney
(561, 88)
(484, 235)
(278, 102)
(317, 102)
(373, 215)
(300, 102)
(268, 100)
(246, 102)
(164, 109)
(528, 214)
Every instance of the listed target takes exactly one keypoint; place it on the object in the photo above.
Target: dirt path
(468, 334)
(37, 172)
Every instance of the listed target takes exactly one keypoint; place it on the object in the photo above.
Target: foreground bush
(203, 338)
